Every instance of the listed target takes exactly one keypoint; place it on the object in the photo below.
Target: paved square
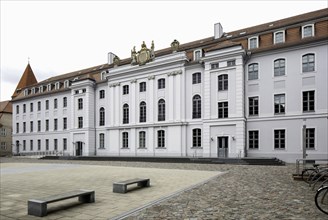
(23, 181)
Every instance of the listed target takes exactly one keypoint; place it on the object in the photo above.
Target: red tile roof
(27, 79)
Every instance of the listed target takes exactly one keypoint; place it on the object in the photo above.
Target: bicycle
(321, 199)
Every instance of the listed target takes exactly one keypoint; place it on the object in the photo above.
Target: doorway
(17, 147)
(78, 148)
(223, 147)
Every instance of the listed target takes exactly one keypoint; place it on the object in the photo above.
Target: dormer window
(197, 54)
(103, 75)
(33, 90)
(25, 92)
(40, 89)
(57, 85)
(253, 42)
(308, 31)
(279, 37)
(66, 83)
(49, 87)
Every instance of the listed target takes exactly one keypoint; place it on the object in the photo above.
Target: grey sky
(61, 37)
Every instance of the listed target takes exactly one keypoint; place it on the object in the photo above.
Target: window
(3, 132)
(279, 104)
(80, 104)
(279, 67)
(161, 139)
(196, 106)
(17, 109)
(310, 138)
(31, 126)
(24, 127)
(24, 108)
(84, 90)
(214, 65)
(125, 114)
(55, 144)
(196, 137)
(125, 89)
(102, 141)
(47, 104)
(39, 144)
(142, 139)
(253, 106)
(49, 87)
(223, 82)
(231, 63)
(24, 145)
(31, 145)
(197, 55)
(143, 112)
(279, 139)
(253, 71)
(55, 124)
(57, 85)
(64, 144)
(64, 123)
(161, 84)
(308, 101)
(101, 116)
(223, 110)
(3, 146)
(64, 102)
(308, 31)
(253, 139)
(47, 125)
(196, 78)
(161, 110)
(66, 83)
(80, 122)
(253, 43)
(31, 107)
(47, 144)
(17, 128)
(125, 140)
(142, 87)
(39, 106)
(55, 104)
(39, 125)
(308, 62)
(102, 94)
(279, 37)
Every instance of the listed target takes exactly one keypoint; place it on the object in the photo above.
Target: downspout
(95, 120)
(247, 57)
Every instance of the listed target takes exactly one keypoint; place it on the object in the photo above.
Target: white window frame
(200, 54)
(66, 83)
(307, 25)
(257, 42)
(283, 37)
(49, 87)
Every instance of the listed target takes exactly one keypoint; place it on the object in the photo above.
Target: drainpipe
(247, 57)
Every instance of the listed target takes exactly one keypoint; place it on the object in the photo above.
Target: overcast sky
(60, 37)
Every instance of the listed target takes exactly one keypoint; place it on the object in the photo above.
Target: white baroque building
(247, 93)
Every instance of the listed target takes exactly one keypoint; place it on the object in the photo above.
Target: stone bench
(121, 187)
(38, 207)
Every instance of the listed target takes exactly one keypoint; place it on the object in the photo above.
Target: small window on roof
(253, 42)
(279, 37)
(103, 75)
(308, 31)
(40, 89)
(49, 87)
(57, 85)
(66, 83)
(33, 90)
(25, 92)
(197, 54)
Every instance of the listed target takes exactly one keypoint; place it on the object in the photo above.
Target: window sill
(125, 148)
(101, 148)
(195, 148)
(160, 148)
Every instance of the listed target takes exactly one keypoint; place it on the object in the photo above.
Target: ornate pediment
(144, 55)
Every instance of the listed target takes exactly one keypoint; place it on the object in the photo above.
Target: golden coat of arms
(144, 55)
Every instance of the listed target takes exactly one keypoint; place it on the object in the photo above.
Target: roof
(27, 79)
(6, 107)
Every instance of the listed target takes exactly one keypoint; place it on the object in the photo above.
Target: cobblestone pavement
(244, 192)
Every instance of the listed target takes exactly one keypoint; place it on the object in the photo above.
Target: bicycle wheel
(306, 173)
(313, 175)
(321, 199)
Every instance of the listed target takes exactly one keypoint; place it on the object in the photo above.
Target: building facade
(247, 93)
(5, 128)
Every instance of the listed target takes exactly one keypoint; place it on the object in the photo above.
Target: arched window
(196, 106)
(253, 71)
(308, 61)
(143, 112)
(102, 140)
(223, 82)
(196, 78)
(125, 114)
(101, 116)
(161, 139)
(142, 139)
(161, 110)
(197, 137)
(279, 67)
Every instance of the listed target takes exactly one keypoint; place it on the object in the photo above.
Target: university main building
(247, 93)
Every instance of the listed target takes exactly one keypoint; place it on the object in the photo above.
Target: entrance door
(223, 147)
(17, 147)
(78, 148)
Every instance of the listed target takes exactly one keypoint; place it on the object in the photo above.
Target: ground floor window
(102, 141)
(310, 138)
(125, 140)
(142, 139)
(161, 139)
(197, 137)
(279, 139)
(253, 139)
(64, 144)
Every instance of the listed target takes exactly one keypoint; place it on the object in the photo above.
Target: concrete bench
(121, 187)
(38, 207)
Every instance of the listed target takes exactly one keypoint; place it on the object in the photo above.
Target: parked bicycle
(321, 199)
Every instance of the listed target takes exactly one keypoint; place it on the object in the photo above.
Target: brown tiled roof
(6, 107)
(27, 79)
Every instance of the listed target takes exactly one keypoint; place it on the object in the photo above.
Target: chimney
(110, 57)
(218, 30)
